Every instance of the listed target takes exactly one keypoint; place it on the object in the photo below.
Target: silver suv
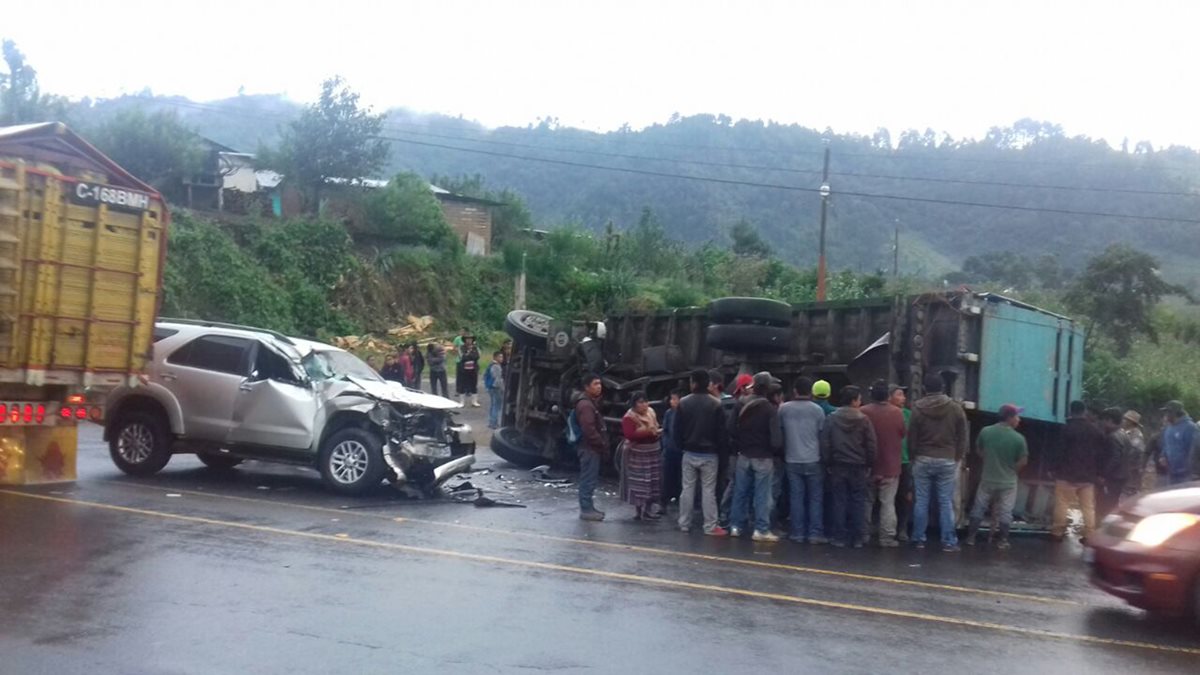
(230, 393)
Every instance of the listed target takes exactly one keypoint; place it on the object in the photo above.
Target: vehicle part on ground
(351, 462)
(218, 461)
(749, 338)
(763, 311)
(513, 446)
(529, 330)
(140, 444)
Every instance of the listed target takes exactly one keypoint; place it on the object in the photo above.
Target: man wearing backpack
(493, 381)
(591, 444)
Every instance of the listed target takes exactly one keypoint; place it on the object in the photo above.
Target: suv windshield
(324, 365)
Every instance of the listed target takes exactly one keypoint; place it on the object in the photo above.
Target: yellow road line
(620, 576)
(799, 569)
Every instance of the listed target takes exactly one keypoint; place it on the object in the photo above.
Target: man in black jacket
(1080, 462)
(699, 432)
(758, 438)
(848, 447)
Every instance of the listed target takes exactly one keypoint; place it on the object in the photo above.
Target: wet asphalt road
(263, 571)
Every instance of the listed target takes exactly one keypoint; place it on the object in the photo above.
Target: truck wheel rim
(135, 443)
(348, 462)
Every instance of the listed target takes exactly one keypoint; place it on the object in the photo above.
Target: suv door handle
(170, 377)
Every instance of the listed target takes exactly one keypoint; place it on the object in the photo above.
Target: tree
(21, 99)
(333, 139)
(157, 147)
(649, 248)
(747, 241)
(1118, 291)
(406, 212)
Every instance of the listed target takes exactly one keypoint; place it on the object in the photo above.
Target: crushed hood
(398, 393)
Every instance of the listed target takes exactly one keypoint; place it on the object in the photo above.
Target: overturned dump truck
(988, 349)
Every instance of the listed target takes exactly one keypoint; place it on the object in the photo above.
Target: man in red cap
(1004, 453)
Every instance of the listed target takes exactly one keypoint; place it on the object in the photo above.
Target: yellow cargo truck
(82, 247)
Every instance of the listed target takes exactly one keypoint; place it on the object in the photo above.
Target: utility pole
(896, 253)
(824, 207)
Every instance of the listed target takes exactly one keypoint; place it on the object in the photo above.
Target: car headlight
(1158, 528)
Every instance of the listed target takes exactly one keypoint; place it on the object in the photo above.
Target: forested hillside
(725, 164)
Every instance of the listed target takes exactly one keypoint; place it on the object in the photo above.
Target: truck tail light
(39, 413)
(14, 416)
(28, 413)
(65, 412)
(3, 413)
(75, 399)
(81, 413)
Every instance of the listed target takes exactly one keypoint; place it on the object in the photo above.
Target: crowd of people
(408, 365)
(761, 461)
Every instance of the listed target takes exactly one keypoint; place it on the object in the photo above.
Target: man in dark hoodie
(848, 447)
(593, 446)
(937, 442)
(758, 438)
(1083, 456)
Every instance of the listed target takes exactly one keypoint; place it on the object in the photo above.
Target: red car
(1148, 553)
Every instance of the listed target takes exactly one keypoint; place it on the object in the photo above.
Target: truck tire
(761, 311)
(351, 461)
(512, 446)
(140, 443)
(749, 338)
(529, 330)
(218, 461)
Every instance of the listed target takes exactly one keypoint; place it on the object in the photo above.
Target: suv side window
(163, 333)
(217, 353)
(271, 366)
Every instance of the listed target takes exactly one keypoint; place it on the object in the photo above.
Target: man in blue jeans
(593, 445)
(494, 382)
(937, 442)
(802, 420)
(758, 438)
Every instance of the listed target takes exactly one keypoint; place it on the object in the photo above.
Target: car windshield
(324, 365)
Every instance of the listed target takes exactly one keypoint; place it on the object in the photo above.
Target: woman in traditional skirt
(641, 466)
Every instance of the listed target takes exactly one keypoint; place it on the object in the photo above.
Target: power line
(891, 155)
(784, 169)
(790, 188)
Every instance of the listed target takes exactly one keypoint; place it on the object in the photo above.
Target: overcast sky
(1104, 69)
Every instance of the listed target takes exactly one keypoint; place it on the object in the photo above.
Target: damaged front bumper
(426, 463)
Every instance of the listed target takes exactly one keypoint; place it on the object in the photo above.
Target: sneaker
(685, 530)
(591, 516)
(951, 548)
(920, 546)
(818, 541)
(718, 532)
(903, 536)
(798, 540)
(888, 543)
(765, 536)
(969, 541)
(735, 531)
(1003, 545)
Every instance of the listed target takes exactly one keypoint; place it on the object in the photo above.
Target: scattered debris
(482, 472)
(542, 473)
(463, 487)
